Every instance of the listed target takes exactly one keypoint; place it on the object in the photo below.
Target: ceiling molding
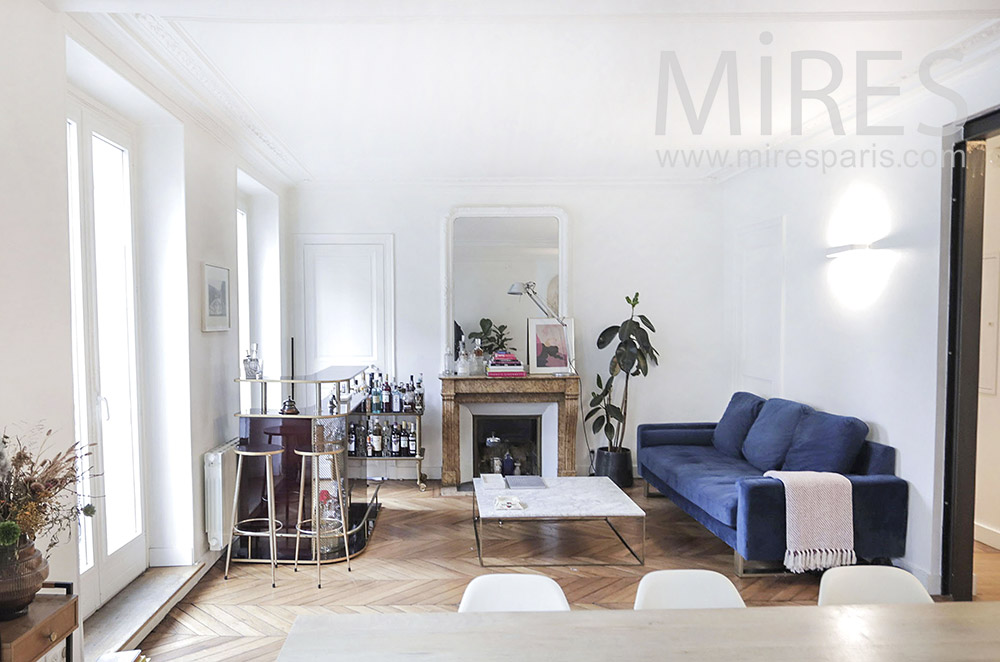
(182, 59)
(347, 11)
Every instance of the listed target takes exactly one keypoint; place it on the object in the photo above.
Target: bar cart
(318, 424)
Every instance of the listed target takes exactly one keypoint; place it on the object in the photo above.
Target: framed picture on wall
(215, 305)
(550, 348)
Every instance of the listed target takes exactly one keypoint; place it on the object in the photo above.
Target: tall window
(113, 543)
(243, 287)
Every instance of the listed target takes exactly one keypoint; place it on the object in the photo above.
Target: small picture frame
(215, 311)
(550, 346)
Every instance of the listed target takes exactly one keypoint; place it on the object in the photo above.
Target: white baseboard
(930, 580)
(162, 557)
(987, 535)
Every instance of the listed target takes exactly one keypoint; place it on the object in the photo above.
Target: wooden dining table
(943, 632)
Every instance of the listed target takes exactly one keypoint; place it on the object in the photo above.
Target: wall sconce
(848, 250)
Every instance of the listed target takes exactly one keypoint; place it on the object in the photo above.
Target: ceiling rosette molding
(176, 52)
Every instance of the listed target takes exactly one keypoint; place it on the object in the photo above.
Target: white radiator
(220, 485)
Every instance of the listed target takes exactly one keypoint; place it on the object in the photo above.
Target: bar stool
(315, 523)
(268, 452)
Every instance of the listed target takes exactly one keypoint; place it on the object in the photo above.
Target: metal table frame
(477, 525)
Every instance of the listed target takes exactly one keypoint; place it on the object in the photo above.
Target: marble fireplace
(555, 400)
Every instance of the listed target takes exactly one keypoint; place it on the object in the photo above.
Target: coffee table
(563, 499)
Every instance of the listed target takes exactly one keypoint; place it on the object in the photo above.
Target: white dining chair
(871, 585)
(687, 589)
(510, 592)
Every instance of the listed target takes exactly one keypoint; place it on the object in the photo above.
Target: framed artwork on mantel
(215, 299)
(550, 348)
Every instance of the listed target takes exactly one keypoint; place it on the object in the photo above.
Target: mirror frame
(448, 259)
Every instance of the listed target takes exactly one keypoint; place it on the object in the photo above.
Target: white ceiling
(422, 91)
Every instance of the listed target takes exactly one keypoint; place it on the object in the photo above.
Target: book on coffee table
(524, 482)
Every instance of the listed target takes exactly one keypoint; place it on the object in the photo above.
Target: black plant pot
(616, 465)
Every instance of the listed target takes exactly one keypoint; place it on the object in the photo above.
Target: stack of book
(505, 364)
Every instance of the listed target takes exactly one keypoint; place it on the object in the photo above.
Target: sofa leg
(746, 568)
(646, 492)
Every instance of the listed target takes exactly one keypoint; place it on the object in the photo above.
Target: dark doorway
(962, 396)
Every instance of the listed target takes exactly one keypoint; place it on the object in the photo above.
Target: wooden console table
(50, 620)
(455, 391)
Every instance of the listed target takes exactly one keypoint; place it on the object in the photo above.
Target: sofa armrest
(681, 434)
(880, 506)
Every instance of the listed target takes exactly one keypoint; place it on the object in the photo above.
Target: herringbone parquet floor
(420, 559)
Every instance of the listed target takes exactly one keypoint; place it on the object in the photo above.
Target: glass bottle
(412, 440)
(418, 396)
(376, 437)
(478, 359)
(252, 364)
(408, 397)
(464, 365)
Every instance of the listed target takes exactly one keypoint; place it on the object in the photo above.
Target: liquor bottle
(376, 397)
(369, 401)
(352, 440)
(418, 399)
(397, 398)
(395, 440)
(386, 396)
(412, 440)
(408, 397)
(376, 437)
(363, 442)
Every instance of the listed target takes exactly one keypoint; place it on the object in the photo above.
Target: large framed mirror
(488, 249)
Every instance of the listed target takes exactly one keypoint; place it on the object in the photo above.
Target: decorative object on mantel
(494, 338)
(505, 364)
(33, 503)
(633, 357)
(551, 345)
(552, 357)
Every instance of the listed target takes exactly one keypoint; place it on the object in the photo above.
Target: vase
(616, 465)
(22, 571)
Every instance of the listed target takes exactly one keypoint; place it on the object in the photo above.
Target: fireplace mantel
(455, 391)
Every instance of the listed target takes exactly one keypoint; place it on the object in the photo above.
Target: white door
(113, 543)
(345, 294)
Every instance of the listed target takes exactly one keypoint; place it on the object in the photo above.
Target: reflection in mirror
(491, 253)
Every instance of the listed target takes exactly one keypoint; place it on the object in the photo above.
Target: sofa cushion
(735, 423)
(825, 442)
(771, 434)
(702, 475)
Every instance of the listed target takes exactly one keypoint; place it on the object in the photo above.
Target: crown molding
(122, 45)
(172, 47)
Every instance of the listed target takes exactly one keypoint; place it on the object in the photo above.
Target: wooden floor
(423, 554)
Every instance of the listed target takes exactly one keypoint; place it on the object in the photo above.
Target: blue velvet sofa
(714, 472)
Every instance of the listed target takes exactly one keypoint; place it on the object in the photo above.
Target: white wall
(35, 338)
(879, 362)
(210, 184)
(663, 240)
(988, 450)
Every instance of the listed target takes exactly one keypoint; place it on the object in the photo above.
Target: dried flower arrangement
(38, 495)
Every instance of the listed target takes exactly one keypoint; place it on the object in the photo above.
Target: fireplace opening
(506, 444)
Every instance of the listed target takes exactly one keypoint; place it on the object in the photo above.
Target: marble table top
(564, 497)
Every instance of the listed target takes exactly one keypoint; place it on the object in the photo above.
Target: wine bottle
(395, 440)
(352, 440)
(376, 436)
(418, 400)
(412, 440)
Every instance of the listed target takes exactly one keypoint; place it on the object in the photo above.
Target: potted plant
(633, 357)
(493, 339)
(38, 497)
